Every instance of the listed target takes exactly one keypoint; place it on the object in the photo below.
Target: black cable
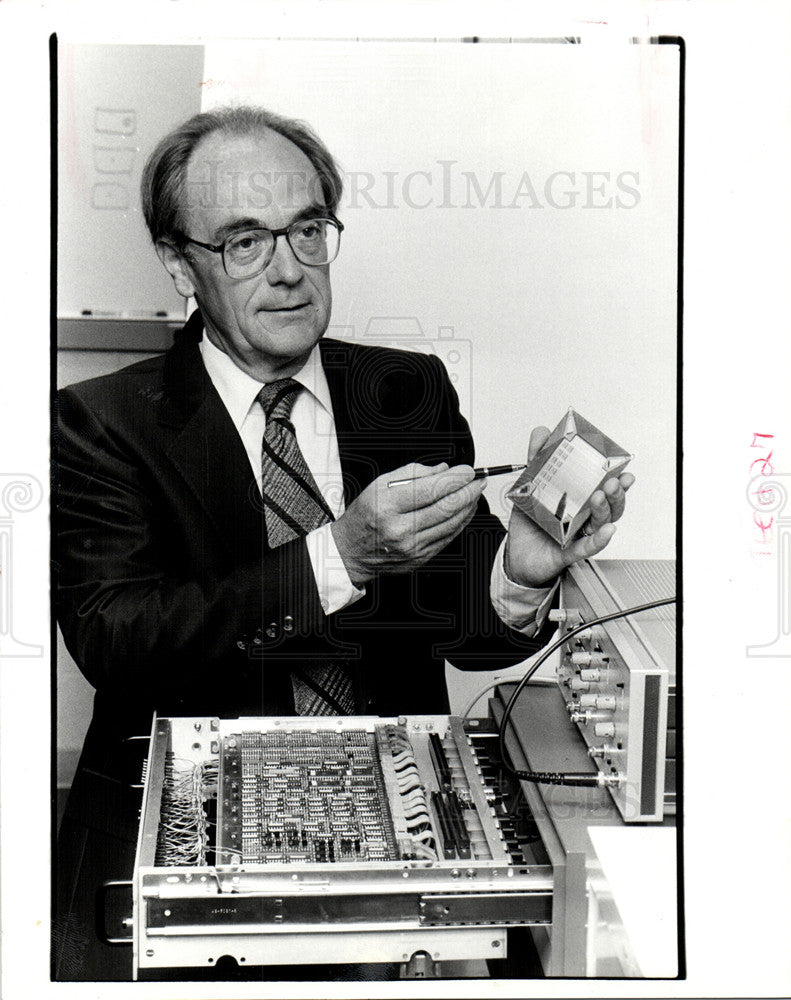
(555, 778)
(549, 777)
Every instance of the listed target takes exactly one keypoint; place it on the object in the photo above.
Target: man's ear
(177, 267)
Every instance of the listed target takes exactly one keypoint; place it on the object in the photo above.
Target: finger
(615, 496)
(434, 488)
(436, 514)
(538, 438)
(439, 534)
(608, 503)
(412, 471)
(420, 538)
(449, 504)
(433, 541)
(600, 512)
(588, 546)
(400, 528)
(401, 486)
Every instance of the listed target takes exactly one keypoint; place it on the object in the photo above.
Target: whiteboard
(114, 104)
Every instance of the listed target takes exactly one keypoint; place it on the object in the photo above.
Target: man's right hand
(395, 529)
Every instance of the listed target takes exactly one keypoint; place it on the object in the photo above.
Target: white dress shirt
(522, 608)
(314, 425)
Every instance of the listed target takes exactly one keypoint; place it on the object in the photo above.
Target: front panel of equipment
(354, 839)
(618, 683)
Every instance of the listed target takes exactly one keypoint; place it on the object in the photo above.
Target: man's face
(269, 323)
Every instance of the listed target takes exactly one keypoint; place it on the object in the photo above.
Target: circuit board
(303, 797)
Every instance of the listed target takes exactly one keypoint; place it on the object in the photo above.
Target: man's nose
(284, 266)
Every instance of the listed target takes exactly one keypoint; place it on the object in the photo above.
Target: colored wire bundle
(182, 837)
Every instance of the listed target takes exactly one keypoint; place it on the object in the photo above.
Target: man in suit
(228, 543)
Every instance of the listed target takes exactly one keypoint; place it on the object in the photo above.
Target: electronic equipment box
(276, 841)
(619, 679)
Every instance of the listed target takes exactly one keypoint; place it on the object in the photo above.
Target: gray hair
(162, 184)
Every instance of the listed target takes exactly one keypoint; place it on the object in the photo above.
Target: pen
(487, 470)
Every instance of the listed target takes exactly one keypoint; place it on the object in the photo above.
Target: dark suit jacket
(170, 599)
(168, 595)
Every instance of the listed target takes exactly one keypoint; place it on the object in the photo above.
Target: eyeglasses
(247, 253)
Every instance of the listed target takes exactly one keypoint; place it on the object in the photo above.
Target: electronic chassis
(353, 839)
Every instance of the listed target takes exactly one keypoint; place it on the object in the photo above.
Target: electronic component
(618, 679)
(556, 487)
(345, 839)
(296, 796)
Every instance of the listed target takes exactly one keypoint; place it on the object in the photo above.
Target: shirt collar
(239, 391)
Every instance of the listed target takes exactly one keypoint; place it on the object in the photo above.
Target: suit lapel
(206, 448)
(357, 443)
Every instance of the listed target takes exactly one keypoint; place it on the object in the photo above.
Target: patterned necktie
(294, 506)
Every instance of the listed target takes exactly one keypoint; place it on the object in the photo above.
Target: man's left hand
(534, 559)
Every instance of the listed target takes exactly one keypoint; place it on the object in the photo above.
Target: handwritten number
(765, 496)
(763, 528)
(765, 464)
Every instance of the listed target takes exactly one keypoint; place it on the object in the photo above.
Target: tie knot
(278, 398)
